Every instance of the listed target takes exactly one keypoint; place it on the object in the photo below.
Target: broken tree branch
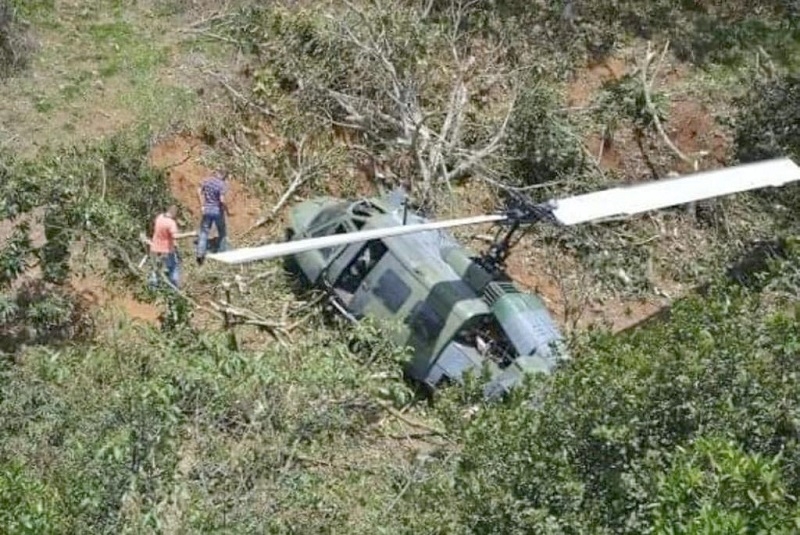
(303, 172)
(647, 87)
(398, 102)
(410, 421)
(248, 317)
(236, 94)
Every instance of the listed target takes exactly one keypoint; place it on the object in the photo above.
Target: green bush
(714, 486)
(767, 125)
(26, 504)
(541, 142)
(604, 451)
(106, 194)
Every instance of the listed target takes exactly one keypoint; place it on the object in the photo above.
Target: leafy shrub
(139, 430)
(768, 122)
(540, 142)
(105, 193)
(715, 486)
(767, 125)
(605, 451)
(25, 502)
(700, 32)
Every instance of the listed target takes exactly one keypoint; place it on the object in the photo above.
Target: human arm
(224, 205)
(174, 230)
(223, 200)
(200, 197)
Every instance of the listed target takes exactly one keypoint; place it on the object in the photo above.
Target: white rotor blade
(275, 250)
(664, 193)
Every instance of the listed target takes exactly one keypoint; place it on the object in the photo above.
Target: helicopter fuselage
(426, 292)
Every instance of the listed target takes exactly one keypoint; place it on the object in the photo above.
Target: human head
(221, 174)
(172, 211)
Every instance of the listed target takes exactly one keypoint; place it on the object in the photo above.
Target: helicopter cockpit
(487, 337)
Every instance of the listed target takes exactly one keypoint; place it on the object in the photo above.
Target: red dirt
(92, 290)
(96, 294)
(182, 155)
(692, 128)
(610, 157)
(586, 84)
(527, 267)
(690, 125)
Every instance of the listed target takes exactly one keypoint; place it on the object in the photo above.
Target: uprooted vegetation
(237, 405)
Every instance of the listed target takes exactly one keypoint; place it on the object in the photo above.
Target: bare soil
(183, 156)
(96, 293)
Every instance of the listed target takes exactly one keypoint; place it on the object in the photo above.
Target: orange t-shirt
(164, 235)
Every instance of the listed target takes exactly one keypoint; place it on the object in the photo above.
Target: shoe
(200, 260)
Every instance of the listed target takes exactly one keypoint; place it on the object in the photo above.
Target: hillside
(240, 404)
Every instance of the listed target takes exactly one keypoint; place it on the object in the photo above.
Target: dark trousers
(171, 263)
(217, 220)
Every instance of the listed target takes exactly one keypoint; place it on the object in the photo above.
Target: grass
(101, 65)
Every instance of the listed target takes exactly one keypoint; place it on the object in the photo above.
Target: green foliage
(716, 487)
(540, 140)
(140, 431)
(703, 33)
(298, 53)
(15, 254)
(768, 123)
(25, 502)
(768, 126)
(178, 311)
(604, 449)
(38, 314)
(625, 99)
(105, 194)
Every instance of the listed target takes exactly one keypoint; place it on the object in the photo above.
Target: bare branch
(236, 94)
(399, 104)
(248, 317)
(647, 87)
(303, 172)
(494, 144)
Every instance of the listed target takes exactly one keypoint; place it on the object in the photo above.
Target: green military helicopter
(456, 310)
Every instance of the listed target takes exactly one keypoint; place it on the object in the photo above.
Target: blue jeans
(171, 262)
(205, 227)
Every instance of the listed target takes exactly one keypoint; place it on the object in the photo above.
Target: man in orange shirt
(163, 243)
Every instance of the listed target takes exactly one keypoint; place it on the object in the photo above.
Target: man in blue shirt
(212, 202)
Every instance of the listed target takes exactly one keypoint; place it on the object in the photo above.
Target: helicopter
(457, 311)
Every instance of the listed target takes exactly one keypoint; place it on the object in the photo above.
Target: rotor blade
(275, 250)
(653, 195)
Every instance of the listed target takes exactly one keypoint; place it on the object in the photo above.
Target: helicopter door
(424, 325)
(358, 267)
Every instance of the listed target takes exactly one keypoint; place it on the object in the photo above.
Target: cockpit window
(324, 218)
(425, 322)
(367, 258)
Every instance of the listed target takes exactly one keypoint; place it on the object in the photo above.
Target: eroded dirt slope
(185, 157)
